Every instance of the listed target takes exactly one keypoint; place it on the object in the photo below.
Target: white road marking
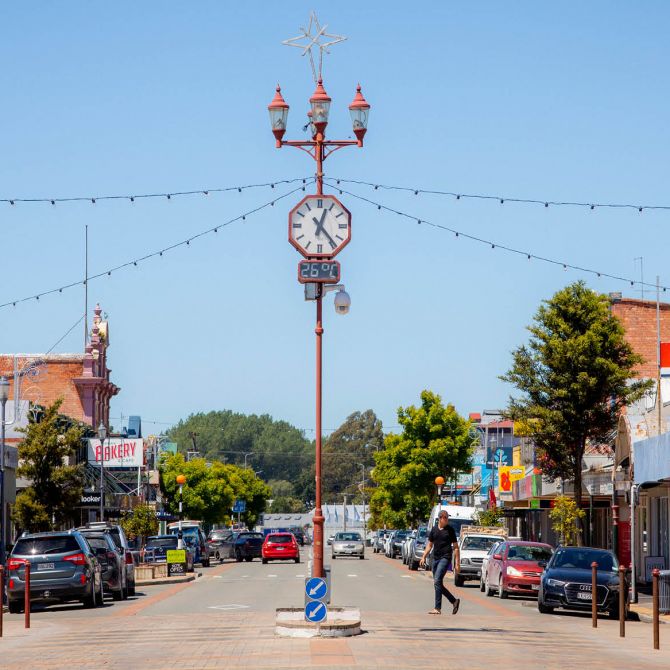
(352, 575)
(232, 606)
(272, 575)
(218, 576)
(300, 575)
(407, 576)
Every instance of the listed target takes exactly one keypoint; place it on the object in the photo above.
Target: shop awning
(652, 459)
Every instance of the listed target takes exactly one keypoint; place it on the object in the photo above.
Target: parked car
(330, 539)
(406, 544)
(474, 543)
(514, 567)
(63, 568)
(417, 547)
(112, 565)
(193, 537)
(394, 547)
(299, 535)
(215, 540)
(387, 543)
(485, 562)
(243, 546)
(348, 544)
(566, 581)
(122, 545)
(157, 546)
(379, 540)
(280, 546)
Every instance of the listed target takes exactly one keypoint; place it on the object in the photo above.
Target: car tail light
(77, 559)
(15, 563)
(129, 558)
(82, 578)
(11, 583)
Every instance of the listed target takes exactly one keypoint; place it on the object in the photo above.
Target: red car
(280, 547)
(514, 568)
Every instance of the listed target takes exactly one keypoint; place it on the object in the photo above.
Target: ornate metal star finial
(312, 40)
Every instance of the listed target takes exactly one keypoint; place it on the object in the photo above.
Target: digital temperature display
(326, 272)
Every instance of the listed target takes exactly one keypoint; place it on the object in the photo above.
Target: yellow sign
(176, 555)
(508, 474)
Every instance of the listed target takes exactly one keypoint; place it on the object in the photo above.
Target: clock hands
(321, 229)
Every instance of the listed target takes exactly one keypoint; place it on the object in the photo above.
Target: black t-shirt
(442, 539)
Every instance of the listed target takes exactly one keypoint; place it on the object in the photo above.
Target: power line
(159, 252)
(167, 195)
(79, 320)
(494, 245)
(500, 198)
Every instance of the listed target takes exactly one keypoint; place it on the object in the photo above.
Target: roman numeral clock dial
(319, 226)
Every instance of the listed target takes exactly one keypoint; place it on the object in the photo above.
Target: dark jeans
(439, 571)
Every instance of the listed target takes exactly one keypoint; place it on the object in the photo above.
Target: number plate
(584, 596)
(45, 566)
(535, 587)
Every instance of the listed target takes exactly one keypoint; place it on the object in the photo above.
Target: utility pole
(659, 399)
(344, 516)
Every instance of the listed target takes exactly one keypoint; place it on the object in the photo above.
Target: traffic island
(340, 622)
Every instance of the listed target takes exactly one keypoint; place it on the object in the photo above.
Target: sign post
(176, 562)
(316, 597)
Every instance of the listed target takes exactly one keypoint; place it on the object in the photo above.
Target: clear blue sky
(549, 100)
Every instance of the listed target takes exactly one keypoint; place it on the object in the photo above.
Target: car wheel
(118, 595)
(90, 601)
(333, 556)
(238, 556)
(487, 588)
(501, 590)
(614, 614)
(15, 606)
(458, 580)
(297, 559)
(482, 586)
(131, 588)
(248, 559)
(362, 557)
(264, 561)
(413, 565)
(544, 609)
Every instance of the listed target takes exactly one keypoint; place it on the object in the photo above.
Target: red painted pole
(622, 601)
(594, 594)
(318, 512)
(654, 592)
(27, 593)
(2, 594)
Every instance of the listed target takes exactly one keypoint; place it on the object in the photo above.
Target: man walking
(442, 540)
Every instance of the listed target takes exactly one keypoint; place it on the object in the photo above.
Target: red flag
(492, 498)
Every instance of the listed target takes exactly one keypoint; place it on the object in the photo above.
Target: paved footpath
(226, 619)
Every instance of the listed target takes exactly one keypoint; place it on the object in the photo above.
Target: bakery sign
(117, 453)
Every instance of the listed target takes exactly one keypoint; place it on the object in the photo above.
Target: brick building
(639, 320)
(82, 380)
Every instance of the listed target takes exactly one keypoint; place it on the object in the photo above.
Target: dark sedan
(243, 546)
(566, 581)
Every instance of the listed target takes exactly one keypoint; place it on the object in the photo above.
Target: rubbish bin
(664, 591)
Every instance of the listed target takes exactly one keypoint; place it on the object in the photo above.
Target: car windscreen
(36, 546)
(422, 534)
(401, 534)
(479, 543)
(280, 539)
(347, 537)
(457, 524)
(251, 536)
(163, 542)
(521, 552)
(579, 559)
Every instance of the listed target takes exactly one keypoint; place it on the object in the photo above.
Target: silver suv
(62, 568)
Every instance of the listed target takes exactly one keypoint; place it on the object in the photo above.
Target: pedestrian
(442, 540)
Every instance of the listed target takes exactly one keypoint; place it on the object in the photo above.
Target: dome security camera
(342, 302)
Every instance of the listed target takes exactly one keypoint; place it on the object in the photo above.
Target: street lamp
(4, 396)
(439, 483)
(181, 480)
(319, 149)
(102, 434)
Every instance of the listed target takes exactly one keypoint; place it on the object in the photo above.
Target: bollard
(26, 580)
(654, 575)
(594, 594)
(622, 601)
(2, 594)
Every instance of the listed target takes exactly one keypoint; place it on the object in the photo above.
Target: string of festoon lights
(499, 198)
(335, 185)
(165, 195)
(158, 252)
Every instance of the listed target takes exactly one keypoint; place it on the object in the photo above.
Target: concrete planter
(341, 622)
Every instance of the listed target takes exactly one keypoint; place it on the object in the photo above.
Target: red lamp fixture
(359, 110)
(278, 109)
(320, 102)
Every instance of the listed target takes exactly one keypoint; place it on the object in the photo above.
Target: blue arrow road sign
(316, 611)
(240, 506)
(316, 588)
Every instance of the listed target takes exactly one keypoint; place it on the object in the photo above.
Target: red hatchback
(282, 547)
(514, 568)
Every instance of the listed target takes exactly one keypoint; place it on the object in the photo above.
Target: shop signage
(118, 452)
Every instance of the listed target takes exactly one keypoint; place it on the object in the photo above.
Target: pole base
(341, 622)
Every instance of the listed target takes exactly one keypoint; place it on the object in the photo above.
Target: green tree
(575, 376)
(281, 488)
(141, 522)
(286, 505)
(566, 517)
(435, 440)
(277, 448)
(491, 517)
(211, 489)
(52, 499)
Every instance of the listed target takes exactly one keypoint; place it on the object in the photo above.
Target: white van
(459, 516)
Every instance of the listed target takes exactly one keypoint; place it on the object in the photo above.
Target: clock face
(319, 226)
